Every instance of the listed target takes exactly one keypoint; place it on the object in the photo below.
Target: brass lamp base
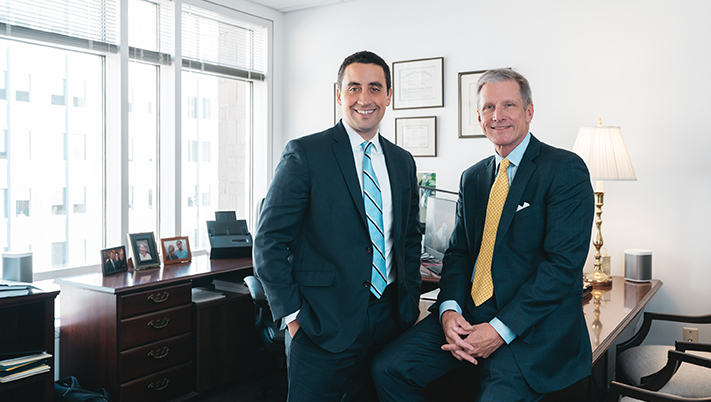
(598, 278)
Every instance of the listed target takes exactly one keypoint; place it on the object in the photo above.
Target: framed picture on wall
(418, 135)
(418, 83)
(175, 250)
(468, 119)
(145, 253)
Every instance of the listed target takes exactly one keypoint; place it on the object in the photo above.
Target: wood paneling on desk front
(139, 335)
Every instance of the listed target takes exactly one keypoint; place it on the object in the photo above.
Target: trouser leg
(407, 365)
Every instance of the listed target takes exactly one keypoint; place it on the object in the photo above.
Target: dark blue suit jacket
(541, 246)
(312, 249)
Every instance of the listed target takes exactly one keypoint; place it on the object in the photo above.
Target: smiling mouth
(365, 112)
(500, 127)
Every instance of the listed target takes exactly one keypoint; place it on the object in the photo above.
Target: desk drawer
(154, 300)
(147, 328)
(152, 358)
(164, 386)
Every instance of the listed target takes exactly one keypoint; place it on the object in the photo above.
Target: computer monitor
(439, 223)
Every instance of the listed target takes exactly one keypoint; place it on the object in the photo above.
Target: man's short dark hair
(365, 57)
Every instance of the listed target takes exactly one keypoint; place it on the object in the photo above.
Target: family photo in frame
(113, 261)
(145, 253)
(176, 250)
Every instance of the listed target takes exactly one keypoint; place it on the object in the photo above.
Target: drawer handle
(159, 298)
(159, 353)
(159, 324)
(159, 386)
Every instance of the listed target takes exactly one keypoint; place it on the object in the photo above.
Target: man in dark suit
(526, 334)
(344, 277)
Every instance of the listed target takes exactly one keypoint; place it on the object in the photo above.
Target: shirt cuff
(448, 305)
(289, 318)
(503, 330)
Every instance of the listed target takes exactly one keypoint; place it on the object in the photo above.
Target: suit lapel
(395, 177)
(523, 175)
(484, 182)
(344, 156)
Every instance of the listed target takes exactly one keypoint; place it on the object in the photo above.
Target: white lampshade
(603, 150)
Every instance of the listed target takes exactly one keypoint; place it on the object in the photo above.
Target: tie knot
(366, 145)
(504, 164)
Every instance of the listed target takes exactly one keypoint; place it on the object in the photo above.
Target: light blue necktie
(373, 200)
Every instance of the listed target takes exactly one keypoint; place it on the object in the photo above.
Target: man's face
(180, 245)
(363, 97)
(502, 116)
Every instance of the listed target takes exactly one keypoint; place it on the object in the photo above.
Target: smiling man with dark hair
(338, 243)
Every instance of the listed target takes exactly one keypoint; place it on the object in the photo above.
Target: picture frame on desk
(145, 254)
(113, 261)
(176, 250)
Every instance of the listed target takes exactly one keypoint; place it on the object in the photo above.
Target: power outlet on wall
(691, 334)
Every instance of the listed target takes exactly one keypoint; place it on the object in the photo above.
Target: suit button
(366, 284)
(369, 250)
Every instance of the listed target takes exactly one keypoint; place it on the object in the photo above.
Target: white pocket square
(525, 205)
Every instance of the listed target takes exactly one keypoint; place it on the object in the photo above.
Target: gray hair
(504, 74)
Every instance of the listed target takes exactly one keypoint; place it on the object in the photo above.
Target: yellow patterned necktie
(482, 286)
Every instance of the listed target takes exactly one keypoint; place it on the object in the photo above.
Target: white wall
(635, 64)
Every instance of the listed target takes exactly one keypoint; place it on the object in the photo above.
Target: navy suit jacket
(312, 250)
(541, 246)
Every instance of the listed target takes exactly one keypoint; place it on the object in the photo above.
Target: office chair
(659, 367)
(268, 331)
(679, 360)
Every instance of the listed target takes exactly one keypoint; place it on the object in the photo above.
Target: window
(37, 174)
(86, 156)
(143, 131)
(217, 85)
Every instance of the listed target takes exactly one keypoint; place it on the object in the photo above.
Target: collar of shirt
(514, 157)
(356, 140)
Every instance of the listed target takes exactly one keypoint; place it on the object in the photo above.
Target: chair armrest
(256, 290)
(618, 389)
(695, 346)
(637, 339)
(656, 381)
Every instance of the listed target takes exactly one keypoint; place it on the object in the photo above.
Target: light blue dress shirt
(515, 158)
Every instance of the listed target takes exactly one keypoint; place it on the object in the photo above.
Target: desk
(139, 335)
(608, 312)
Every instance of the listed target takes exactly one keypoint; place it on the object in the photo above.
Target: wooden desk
(608, 312)
(139, 335)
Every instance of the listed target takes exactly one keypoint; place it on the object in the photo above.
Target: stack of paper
(7, 290)
(228, 286)
(203, 295)
(24, 366)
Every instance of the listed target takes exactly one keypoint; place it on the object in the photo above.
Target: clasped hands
(468, 342)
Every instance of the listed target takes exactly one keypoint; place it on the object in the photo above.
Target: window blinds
(219, 44)
(88, 24)
(150, 27)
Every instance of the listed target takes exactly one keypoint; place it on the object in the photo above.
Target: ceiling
(293, 5)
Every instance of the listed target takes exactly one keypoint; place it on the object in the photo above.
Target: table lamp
(604, 152)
